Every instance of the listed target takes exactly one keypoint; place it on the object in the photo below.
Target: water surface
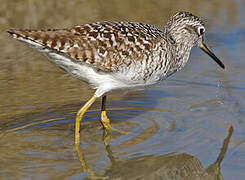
(190, 126)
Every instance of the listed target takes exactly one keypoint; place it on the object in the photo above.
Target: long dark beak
(206, 50)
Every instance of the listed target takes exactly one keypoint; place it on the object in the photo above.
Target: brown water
(188, 127)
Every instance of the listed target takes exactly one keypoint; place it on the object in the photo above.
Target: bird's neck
(182, 49)
(182, 54)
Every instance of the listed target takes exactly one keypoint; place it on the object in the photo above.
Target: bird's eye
(201, 31)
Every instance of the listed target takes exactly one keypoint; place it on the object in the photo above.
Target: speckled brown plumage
(105, 45)
(132, 54)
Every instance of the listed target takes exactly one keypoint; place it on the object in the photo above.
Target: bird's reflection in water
(168, 166)
(85, 168)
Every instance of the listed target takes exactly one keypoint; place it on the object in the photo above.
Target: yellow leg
(106, 122)
(104, 119)
(79, 117)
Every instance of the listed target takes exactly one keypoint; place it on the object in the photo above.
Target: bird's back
(107, 46)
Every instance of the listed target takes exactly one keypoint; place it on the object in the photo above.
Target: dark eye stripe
(199, 30)
(189, 29)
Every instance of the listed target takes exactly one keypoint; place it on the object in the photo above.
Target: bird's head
(187, 30)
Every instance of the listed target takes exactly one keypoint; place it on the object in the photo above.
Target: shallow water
(190, 126)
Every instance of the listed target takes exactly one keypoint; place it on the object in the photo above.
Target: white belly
(103, 82)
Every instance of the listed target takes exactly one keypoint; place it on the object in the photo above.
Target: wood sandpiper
(118, 55)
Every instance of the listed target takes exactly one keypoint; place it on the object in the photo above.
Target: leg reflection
(85, 168)
(92, 175)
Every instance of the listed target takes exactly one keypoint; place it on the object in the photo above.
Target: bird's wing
(107, 46)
